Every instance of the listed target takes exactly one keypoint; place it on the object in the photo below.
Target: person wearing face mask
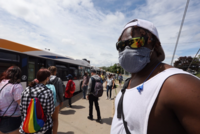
(158, 98)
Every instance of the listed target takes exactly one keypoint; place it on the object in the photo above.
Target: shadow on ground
(77, 107)
(70, 132)
(107, 120)
(77, 96)
(67, 112)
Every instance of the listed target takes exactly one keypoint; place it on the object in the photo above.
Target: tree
(184, 62)
(113, 69)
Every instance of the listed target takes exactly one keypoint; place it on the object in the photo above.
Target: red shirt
(70, 88)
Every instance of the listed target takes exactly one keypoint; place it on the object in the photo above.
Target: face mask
(134, 60)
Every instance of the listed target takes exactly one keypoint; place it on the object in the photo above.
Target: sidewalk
(74, 120)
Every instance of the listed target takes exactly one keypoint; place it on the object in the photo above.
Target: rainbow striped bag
(35, 118)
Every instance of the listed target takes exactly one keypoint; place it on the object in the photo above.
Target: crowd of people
(157, 99)
(17, 104)
(45, 95)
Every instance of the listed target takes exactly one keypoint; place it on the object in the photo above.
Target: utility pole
(180, 30)
(193, 59)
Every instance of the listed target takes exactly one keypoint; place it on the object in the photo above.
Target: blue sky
(90, 28)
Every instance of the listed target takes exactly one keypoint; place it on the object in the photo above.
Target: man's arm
(181, 93)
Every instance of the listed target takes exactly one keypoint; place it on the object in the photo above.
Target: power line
(180, 29)
(193, 59)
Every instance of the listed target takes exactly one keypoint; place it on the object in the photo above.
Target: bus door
(31, 69)
(34, 64)
(24, 68)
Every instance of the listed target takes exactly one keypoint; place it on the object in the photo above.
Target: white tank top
(137, 107)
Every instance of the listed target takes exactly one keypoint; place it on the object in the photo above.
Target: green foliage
(113, 69)
(198, 75)
(198, 56)
(184, 62)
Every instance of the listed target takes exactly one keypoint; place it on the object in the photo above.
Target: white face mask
(134, 60)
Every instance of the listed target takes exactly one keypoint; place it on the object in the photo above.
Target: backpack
(53, 89)
(54, 82)
(69, 93)
(35, 118)
(97, 87)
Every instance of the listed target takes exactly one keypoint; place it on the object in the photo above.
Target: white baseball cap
(143, 24)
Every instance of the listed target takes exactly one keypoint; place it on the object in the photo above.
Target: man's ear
(159, 51)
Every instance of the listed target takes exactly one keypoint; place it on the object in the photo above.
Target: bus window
(50, 63)
(41, 64)
(5, 66)
(73, 70)
(31, 71)
(81, 72)
(62, 72)
(9, 56)
(88, 71)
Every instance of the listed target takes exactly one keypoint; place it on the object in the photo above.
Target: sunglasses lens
(137, 42)
(117, 46)
(120, 46)
(132, 43)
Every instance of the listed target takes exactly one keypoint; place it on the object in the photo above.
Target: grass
(198, 75)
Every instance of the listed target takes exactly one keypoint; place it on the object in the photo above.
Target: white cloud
(68, 42)
(80, 30)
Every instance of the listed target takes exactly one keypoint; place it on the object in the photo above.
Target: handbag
(1, 117)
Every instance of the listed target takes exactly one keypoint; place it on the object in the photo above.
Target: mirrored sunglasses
(136, 42)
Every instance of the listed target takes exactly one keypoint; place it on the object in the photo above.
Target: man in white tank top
(159, 99)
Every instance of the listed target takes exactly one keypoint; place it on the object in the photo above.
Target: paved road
(74, 120)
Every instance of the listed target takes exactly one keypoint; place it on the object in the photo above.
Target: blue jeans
(84, 91)
(109, 88)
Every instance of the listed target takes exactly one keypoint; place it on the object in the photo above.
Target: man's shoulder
(179, 87)
(180, 95)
